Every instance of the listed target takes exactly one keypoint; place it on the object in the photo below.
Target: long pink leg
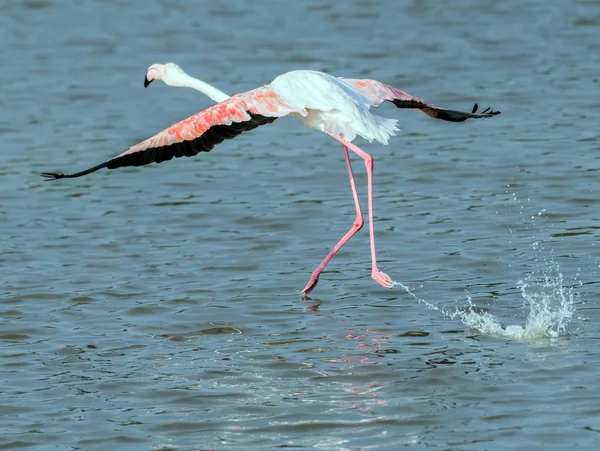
(358, 223)
(379, 276)
(376, 274)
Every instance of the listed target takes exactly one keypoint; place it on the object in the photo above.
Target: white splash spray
(549, 304)
(550, 308)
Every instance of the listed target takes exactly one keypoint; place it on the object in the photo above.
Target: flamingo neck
(203, 87)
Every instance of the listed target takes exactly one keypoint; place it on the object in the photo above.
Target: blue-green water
(158, 308)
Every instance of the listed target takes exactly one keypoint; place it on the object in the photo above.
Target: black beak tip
(146, 82)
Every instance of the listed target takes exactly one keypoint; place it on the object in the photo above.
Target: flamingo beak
(154, 72)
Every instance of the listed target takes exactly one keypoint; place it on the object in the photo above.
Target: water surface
(158, 308)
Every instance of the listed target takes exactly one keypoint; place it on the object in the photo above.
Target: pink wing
(378, 92)
(200, 132)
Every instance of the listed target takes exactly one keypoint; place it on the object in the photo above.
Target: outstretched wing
(378, 92)
(200, 132)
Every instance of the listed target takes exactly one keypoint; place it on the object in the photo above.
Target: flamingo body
(334, 107)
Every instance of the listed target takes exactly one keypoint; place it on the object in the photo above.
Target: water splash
(550, 305)
(551, 309)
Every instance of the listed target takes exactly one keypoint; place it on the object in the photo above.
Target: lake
(159, 307)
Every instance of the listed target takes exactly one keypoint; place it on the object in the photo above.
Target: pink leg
(358, 223)
(379, 276)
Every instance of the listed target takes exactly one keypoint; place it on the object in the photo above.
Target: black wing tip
(49, 176)
(444, 114)
(54, 176)
(488, 112)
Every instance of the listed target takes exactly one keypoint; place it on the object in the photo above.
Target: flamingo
(338, 107)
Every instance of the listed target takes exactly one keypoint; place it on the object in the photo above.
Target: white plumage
(333, 106)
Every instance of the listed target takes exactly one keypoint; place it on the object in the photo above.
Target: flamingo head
(171, 74)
